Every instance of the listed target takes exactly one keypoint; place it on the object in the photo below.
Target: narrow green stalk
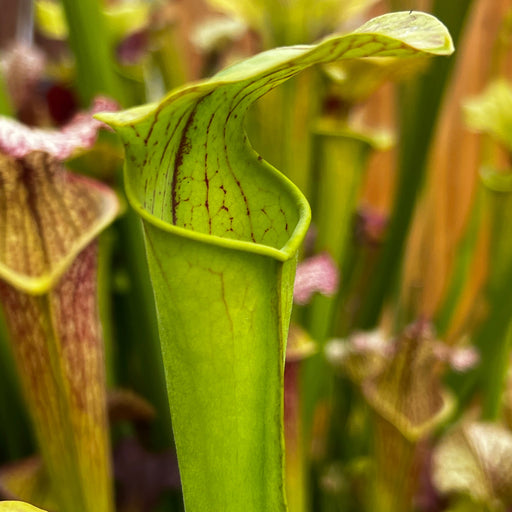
(464, 259)
(419, 114)
(295, 456)
(169, 56)
(342, 158)
(493, 383)
(300, 346)
(492, 337)
(299, 108)
(106, 243)
(495, 347)
(489, 113)
(90, 42)
(491, 340)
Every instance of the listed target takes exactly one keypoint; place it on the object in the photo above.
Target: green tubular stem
(212, 385)
(493, 337)
(461, 269)
(495, 349)
(417, 128)
(492, 341)
(90, 42)
(342, 161)
(495, 377)
(296, 487)
(169, 58)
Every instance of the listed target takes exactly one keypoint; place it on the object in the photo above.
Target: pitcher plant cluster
(216, 263)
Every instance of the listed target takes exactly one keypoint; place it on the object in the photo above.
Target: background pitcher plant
(49, 221)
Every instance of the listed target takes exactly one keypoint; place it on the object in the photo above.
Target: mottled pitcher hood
(189, 167)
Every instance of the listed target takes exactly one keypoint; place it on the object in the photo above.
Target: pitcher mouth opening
(283, 253)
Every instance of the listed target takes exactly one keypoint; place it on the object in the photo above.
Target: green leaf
(89, 39)
(222, 233)
(17, 506)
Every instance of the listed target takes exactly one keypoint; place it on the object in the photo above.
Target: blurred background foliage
(398, 393)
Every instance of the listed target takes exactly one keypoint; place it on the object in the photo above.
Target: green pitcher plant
(222, 230)
(49, 222)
